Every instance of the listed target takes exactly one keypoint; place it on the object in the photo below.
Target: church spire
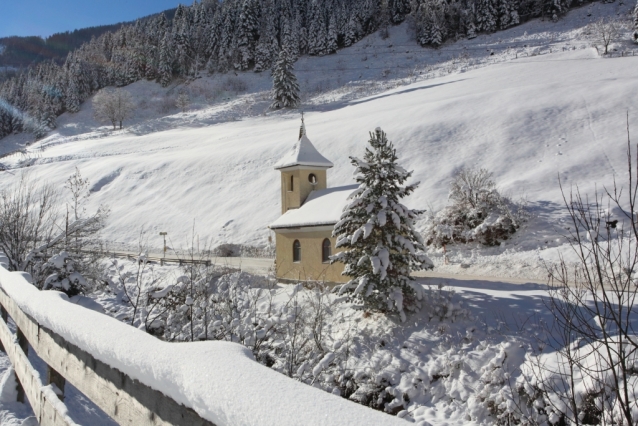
(302, 129)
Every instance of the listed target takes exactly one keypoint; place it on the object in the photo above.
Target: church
(309, 211)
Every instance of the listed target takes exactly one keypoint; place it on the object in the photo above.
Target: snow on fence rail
(139, 380)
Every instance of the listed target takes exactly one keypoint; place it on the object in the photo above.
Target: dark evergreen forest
(219, 36)
(21, 52)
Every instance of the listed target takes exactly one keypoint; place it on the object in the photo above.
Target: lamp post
(163, 234)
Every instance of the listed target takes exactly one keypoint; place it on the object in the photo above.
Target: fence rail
(160, 260)
(125, 400)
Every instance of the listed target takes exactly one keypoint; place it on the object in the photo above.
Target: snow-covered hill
(527, 117)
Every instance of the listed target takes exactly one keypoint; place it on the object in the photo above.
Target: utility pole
(163, 234)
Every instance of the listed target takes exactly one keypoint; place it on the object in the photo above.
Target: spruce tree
(285, 90)
(331, 45)
(486, 16)
(317, 35)
(377, 235)
(166, 60)
(398, 10)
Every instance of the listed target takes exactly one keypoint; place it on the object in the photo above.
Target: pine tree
(384, 20)
(486, 16)
(166, 60)
(317, 36)
(508, 14)
(247, 33)
(285, 91)
(350, 36)
(399, 9)
(380, 245)
(331, 45)
(72, 99)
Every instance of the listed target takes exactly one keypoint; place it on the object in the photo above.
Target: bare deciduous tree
(113, 106)
(604, 32)
(28, 221)
(32, 229)
(590, 376)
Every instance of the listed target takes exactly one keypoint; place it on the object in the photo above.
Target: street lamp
(163, 234)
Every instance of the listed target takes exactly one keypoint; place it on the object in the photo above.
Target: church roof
(303, 153)
(323, 207)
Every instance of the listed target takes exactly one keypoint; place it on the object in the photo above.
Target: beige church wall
(311, 268)
(301, 186)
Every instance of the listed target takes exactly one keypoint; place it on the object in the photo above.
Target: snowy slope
(525, 119)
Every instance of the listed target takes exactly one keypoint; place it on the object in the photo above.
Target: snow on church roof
(303, 153)
(323, 207)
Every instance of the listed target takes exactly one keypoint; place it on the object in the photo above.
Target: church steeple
(303, 170)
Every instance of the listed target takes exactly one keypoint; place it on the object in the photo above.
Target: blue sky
(45, 17)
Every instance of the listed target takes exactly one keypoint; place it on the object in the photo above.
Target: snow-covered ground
(449, 363)
(528, 103)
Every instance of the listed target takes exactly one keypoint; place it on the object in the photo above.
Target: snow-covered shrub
(166, 104)
(290, 336)
(376, 232)
(476, 213)
(581, 384)
(235, 84)
(183, 101)
(213, 306)
(140, 291)
(227, 250)
(244, 250)
(63, 276)
(439, 304)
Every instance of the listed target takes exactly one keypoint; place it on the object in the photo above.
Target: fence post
(24, 345)
(55, 378)
(5, 316)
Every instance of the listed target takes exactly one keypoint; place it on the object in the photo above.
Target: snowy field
(524, 113)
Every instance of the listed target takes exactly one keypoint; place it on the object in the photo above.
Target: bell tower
(303, 170)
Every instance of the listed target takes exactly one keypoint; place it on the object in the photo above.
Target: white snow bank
(219, 380)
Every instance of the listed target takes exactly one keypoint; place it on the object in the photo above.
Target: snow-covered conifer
(331, 44)
(317, 36)
(635, 14)
(508, 13)
(247, 33)
(285, 91)
(398, 10)
(376, 232)
(165, 60)
(350, 36)
(486, 16)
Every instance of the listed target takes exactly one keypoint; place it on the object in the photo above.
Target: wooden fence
(160, 260)
(125, 400)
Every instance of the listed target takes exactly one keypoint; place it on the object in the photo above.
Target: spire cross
(302, 130)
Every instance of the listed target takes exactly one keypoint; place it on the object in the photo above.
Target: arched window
(296, 251)
(292, 183)
(326, 251)
(312, 178)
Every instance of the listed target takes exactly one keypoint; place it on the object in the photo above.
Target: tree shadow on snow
(345, 103)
